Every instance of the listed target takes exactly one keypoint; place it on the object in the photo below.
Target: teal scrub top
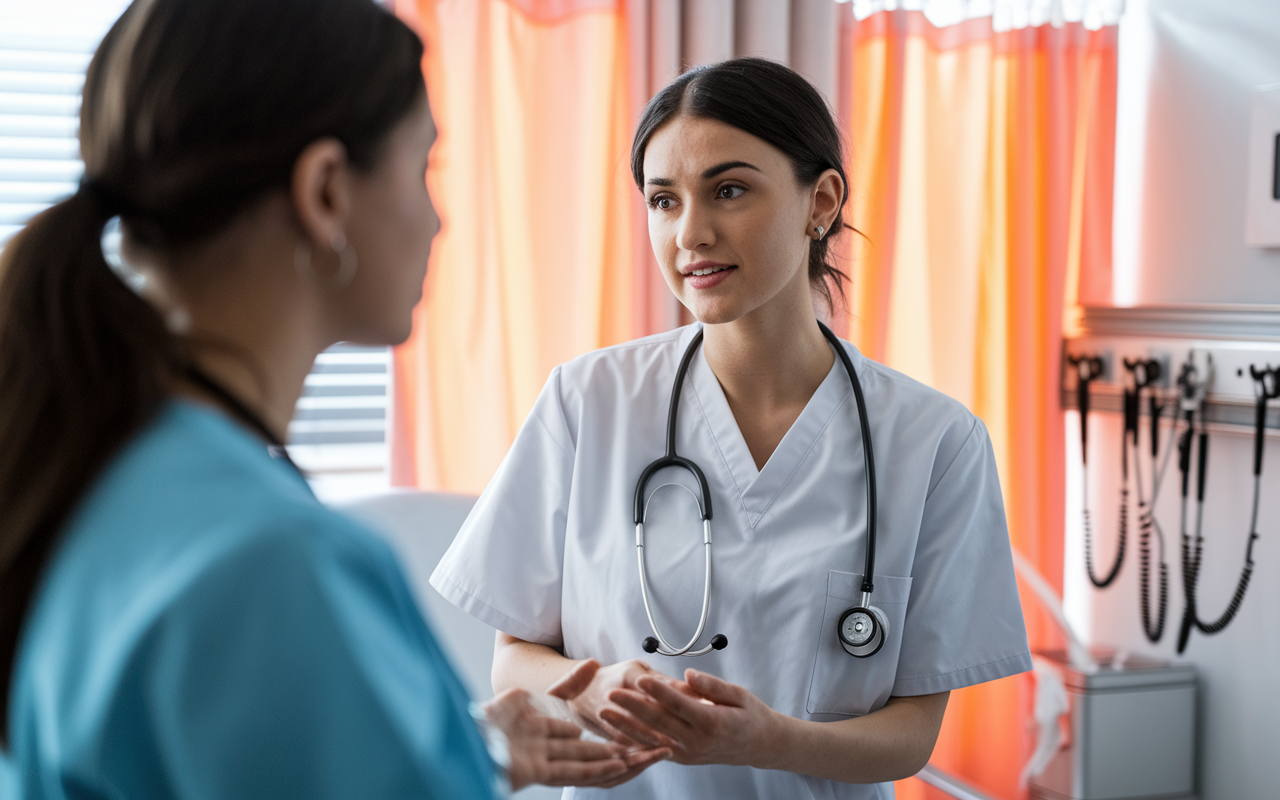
(208, 629)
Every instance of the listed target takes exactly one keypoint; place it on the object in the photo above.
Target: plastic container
(1131, 736)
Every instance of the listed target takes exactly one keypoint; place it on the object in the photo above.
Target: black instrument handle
(1082, 402)
(1156, 410)
(1259, 430)
(1203, 457)
(1131, 414)
(1267, 386)
(1184, 451)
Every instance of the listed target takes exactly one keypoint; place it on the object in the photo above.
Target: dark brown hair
(773, 103)
(192, 111)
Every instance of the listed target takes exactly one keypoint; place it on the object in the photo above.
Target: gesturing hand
(588, 702)
(547, 750)
(709, 721)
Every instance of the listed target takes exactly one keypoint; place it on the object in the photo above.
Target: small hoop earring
(347, 260)
(178, 321)
(819, 229)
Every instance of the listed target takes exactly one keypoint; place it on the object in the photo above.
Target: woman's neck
(769, 362)
(255, 330)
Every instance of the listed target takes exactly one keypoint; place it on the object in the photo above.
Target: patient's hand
(586, 690)
(546, 748)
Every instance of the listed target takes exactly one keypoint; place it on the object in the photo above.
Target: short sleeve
(964, 619)
(506, 566)
(296, 666)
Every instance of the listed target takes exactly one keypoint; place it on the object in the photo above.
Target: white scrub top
(548, 554)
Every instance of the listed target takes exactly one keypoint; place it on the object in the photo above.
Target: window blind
(339, 432)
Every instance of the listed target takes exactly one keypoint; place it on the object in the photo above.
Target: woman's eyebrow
(725, 167)
(707, 174)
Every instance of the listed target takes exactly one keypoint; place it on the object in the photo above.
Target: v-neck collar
(757, 489)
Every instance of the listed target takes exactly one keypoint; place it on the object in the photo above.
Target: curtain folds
(532, 264)
(981, 174)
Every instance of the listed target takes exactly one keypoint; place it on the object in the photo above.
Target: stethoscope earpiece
(718, 642)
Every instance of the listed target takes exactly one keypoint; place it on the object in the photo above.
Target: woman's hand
(547, 750)
(591, 707)
(709, 721)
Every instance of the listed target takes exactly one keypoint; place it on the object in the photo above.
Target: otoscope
(1146, 372)
(1089, 368)
(1266, 383)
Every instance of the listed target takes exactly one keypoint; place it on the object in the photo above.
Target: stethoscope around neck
(861, 629)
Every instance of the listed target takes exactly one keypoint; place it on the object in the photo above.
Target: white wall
(1187, 70)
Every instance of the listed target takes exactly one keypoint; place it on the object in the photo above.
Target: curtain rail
(953, 786)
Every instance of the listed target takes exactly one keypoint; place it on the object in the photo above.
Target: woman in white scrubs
(741, 166)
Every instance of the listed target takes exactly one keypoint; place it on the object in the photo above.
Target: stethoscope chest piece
(862, 630)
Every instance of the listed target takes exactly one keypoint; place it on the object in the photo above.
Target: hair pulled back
(192, 111)
(771, 102)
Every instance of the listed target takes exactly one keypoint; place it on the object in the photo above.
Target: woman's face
(391, 227)
(728, 221)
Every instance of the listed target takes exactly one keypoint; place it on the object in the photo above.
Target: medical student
(741, 166)
(179, 616)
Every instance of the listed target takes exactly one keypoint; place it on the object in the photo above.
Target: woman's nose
(695, 229)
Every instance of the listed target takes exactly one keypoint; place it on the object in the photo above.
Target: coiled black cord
(1268, 387)
(1146, 373)
(1156, 631)
(1090, 369)
(1103, 583)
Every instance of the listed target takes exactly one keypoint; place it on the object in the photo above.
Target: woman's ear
(320, 189)
(828, 194)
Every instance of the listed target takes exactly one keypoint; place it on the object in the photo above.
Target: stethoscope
(861, 629)
(237, 407)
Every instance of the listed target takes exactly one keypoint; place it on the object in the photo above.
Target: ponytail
(84, 363)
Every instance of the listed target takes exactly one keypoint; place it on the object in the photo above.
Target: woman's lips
(707, 281)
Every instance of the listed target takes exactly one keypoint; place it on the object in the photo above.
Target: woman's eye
(663, 203)
(729, 192)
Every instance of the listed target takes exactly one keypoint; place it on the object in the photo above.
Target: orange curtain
(532, 264)
(981, 178)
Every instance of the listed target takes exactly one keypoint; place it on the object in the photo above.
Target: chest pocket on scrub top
(842, 684)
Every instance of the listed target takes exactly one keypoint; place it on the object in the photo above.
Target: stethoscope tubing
(672, 459)
(868, 458)
(666, 648)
